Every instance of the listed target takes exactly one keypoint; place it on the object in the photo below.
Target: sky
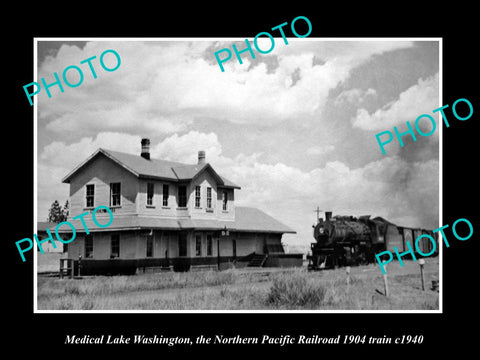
(295, 128)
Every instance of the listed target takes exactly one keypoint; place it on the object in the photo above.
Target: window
(197, 196)
(209, 197)
(182, 245)
(90, 196)
(209, 244)
(88, 246)
(114, 246)
(165, 195)
(150, 190)
(182, 196)
(149, 245)
(224, 200)
(114, 194)
(198, 245)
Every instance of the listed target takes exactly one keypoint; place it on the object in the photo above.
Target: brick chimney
(201, 157)
(145, 149)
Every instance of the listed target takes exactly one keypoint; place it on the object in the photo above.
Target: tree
(65, 211)
(56, 214)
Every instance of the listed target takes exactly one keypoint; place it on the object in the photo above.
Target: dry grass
(290, 289)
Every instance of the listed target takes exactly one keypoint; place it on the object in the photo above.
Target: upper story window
(209, 197)
(182, 196)
(224, 200)
(197, 196)
(165, 195)
(90, 195)
(114, 194)
(150, 191)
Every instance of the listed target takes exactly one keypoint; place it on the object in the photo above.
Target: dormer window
(90, 195)
(114, 194)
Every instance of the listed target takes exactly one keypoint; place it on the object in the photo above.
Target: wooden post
(218, 253)
(385, 281)
(348, 276)
(79, 265)
(421, 262)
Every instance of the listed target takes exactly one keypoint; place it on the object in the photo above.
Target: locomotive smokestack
(328, 215)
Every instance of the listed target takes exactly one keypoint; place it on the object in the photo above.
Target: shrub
(71, 289)
(295, 290)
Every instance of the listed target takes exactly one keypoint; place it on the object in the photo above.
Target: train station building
(166, 215)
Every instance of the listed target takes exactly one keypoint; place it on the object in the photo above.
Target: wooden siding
(101, 172)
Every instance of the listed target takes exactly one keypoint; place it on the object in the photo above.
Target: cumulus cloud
(185, 148)
(421, 98)
(320, 150)
(58, 153)
(162, 86)
(354, 96)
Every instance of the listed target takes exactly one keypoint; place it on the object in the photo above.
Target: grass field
(247, 289)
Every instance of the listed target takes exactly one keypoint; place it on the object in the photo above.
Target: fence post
(385, 281)
(421, 262)
(79, 265)
(348, 276)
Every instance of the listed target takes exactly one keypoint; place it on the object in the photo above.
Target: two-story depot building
(166, 215)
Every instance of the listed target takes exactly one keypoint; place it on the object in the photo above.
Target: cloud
(59, 154)
(421, 98)
(354, 96)
(161, 87)
(185, 148)
(320, 150)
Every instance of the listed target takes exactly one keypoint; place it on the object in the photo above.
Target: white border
(440, 77)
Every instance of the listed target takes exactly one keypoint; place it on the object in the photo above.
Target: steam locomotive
(349, 241)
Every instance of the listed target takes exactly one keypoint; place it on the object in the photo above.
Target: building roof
(44, 225)
(247, 220)
(253, 219)
(154, 168)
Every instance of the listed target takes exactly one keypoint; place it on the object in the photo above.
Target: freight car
(349, 241)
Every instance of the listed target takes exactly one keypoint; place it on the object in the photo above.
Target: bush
(295, 290)
(71, 289)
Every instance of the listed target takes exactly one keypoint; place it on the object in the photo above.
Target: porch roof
(246, 219)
